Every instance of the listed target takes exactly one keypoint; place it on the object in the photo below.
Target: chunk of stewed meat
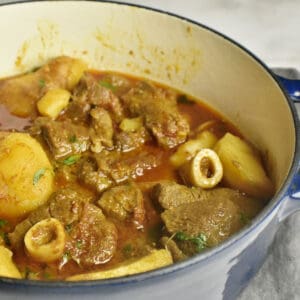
(90, 91)
(210, 215)
(128, 141)
(123, 166)
(93, 240)
(65, 138)
(78, 112)
(65, 205)
(102, 130)
(171, 194)
(92, 176)
(160, 113)
(125, 203)
(216, 218)
(116, 82)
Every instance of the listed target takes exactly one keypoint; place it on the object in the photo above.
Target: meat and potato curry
(105, 175)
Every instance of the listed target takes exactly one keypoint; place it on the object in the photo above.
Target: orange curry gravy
(130, 239)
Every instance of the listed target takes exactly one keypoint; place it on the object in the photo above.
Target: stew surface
(105, 175)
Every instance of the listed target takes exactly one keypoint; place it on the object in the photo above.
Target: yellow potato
(26, 175)
(156, 259)
(53, 102)
(7, 266)
(189, 149)
(77, 69)
(242, 168)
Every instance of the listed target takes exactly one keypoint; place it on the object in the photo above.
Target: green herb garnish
(38, 175)
(71, 159)
(107, 85)
(2, 223)
(42, 82)
(78, 244)
(68, 228)
(199, 241)
(127, 250)
(5, 238)
(184, 100)
(73, 138)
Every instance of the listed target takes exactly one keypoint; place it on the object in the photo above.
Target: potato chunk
(53, 102)
(7, 267)
(156, 259)
(189, 149)
(242, 167)
(26, 175)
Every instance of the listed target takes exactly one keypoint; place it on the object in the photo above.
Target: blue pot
(200, 62)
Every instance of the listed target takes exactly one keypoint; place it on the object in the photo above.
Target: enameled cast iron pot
(198, 61)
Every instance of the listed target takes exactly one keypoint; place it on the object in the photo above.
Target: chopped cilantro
(2, 223)
(199, 241)
(42, 82)
(107, 85)
(184, 100)
(127, 250)
(73, 138)
(38, 175)
(68, 228)
(71, 160)
(5, 238)
(78, 244)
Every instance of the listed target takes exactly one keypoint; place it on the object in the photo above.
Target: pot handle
(292, 86)
(292, 202)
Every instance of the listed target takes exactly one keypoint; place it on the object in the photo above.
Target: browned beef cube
(123, 166)
(93, 240)
(64, 138)
(90, 91)
(117, 83)
(124, 202)
(64, 205)
(216, 218)
(195, 213)
(170, 194)
(159, 109)
(94, 178)
(128, 141)
(102, 130)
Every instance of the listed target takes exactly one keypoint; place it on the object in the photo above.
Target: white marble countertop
(270, 29)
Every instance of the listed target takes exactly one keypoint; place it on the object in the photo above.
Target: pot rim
(200, 258)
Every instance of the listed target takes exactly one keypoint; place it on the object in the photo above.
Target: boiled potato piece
(7, 266)
(53, 102)
(189, 149)
(156, 259)
(76, 71)
(242, 167)
(26, 175)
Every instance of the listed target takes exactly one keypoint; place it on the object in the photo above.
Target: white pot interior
(159, 47)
